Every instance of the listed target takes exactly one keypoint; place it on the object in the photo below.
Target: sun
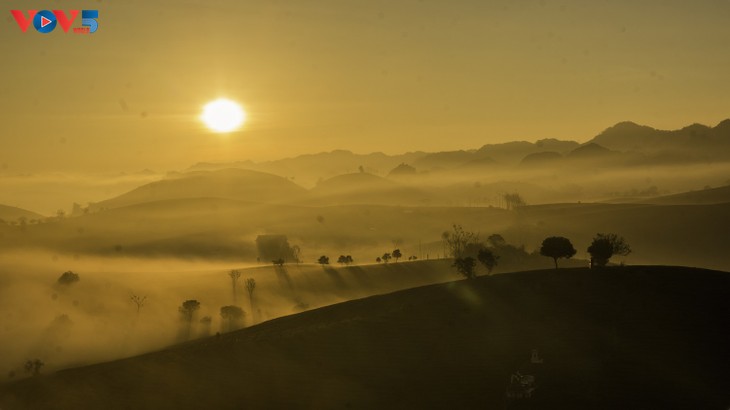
(223, 115)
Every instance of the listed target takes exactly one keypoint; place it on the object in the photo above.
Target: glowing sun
(223, 115)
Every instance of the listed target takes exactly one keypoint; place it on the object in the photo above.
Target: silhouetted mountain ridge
(695, 139)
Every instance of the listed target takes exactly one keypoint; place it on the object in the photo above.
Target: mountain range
(624, 144)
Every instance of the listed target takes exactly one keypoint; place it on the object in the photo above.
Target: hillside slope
(635, 337)
(11, 213)
(718, 195)
(236, 184)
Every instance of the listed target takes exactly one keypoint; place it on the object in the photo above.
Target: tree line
(466, 249)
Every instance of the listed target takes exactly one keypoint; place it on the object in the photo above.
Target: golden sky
(375, 75)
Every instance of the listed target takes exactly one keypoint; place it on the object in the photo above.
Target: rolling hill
(11, 213)
(236, 184)
(718, 195)
(365, 188)
(218, 229)
(632, 337)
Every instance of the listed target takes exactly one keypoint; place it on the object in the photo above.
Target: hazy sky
(370, 75)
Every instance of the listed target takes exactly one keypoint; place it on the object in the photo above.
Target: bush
(68, 278)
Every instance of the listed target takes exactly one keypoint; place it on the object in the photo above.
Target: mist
(95, 319)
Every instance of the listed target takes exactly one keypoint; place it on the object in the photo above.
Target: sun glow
(223, 115)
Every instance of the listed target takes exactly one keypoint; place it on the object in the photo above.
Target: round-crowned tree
(604, 246)
(465, 266)
(557, 247)
(232, 316)
(487, 258)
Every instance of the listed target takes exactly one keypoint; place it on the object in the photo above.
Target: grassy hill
(633, 337)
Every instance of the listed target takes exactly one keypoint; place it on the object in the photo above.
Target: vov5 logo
(45, 21)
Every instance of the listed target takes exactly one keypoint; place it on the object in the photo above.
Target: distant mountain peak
(626, 126)
(590, 149)
(723, 125)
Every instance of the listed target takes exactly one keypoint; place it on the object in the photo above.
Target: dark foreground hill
(631, 337)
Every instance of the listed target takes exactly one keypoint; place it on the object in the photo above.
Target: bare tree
(513, 200)
(459, 240)
(445, 239)
(250, 287)
(235, 274)
(139, 301)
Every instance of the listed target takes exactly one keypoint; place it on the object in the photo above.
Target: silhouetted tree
(323, 260)
(68, 278)
(465, 266)
(445, 240)
(250, 288)
(496, 240)
(205, 323)
(459, 240)
(378, 259)
(235, 274)
(397, 255)
(34, 366)
(385, 257)
(513, 200)
(297, 252)
(232, 315)
(487, 258)
(349, 260)
(604, 246)
(139, 301)
(342, 259)
(275, 247)
(557, 247)
(188, 309)
(279, 262)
